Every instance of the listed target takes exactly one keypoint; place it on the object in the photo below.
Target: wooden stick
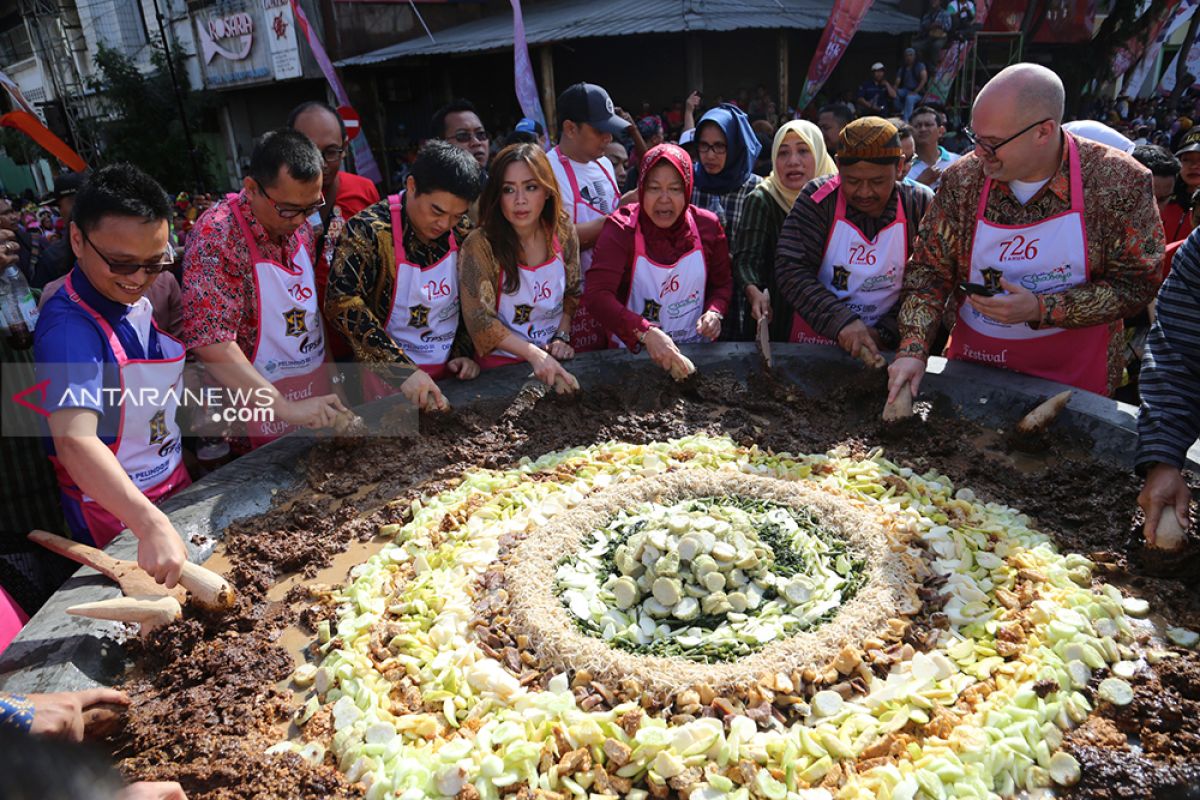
(148, 612)
(901, 408)
(84, 554)
(208, 589)
(1169, 536)
(1040, 418)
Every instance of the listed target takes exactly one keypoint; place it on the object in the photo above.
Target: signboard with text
(246, 42)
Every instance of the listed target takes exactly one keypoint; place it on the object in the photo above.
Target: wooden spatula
(208, 589)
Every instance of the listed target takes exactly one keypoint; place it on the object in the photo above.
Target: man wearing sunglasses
(1046, 240)
(115, 459)
(351, 193)
(458, 123)
(250, 301)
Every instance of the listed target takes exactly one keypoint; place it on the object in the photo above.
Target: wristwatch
(559, 336)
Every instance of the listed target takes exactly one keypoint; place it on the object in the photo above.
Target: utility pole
(49, 21)
(197, 173)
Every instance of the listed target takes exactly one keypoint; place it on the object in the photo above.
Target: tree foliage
(141, 123)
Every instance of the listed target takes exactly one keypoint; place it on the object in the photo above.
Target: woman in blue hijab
(727, 148)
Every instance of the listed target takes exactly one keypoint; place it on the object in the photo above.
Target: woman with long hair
(798, 155)
(660, 273)
(518, 273)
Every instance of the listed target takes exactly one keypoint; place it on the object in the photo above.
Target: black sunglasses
(991, 149)
(462, 137)
(119, 268)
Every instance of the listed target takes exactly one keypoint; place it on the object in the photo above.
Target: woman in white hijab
(798, 155)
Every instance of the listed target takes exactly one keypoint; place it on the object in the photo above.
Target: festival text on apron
(290, 348)
(669, 295)
(864, 274)
(148, 443)
(1044, 257)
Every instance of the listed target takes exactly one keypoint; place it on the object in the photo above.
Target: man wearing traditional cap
(1046, 241)
(842, 250)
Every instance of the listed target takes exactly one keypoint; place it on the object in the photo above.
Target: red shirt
(1177, 221)
(354, 194)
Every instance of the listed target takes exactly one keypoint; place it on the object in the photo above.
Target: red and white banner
(1166, 28)
(1148, 43)
(953, 59)
(15, 92)
(843, 23)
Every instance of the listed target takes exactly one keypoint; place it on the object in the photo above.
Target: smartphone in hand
(976, 289)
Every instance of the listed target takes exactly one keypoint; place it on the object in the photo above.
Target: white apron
(669, 295)
(149, 442)
(534, 311)
(587, 333)
(290, 350)
(864, 274)
(1045, 257)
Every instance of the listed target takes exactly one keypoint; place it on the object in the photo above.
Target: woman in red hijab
(660, 273)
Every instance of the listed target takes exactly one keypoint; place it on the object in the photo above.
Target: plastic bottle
(18, 309)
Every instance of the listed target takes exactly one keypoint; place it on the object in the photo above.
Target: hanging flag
(1148, 43)
(843, 23)
(363, 160)
(527, 91)
(1167, 84)
(953, 59)
(1152, 43)
(15, 91)
(32, 127)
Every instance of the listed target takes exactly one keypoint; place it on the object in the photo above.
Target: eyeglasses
(291, 213)
(462, 137)
(991, 149)
(717, 149)
(332, 154)
(168, 258)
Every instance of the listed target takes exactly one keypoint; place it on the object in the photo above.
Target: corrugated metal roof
(580, 19)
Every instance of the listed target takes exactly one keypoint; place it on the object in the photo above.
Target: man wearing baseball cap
(841, 253)
(588, 122)
(876, 96)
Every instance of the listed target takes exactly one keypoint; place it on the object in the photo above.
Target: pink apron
(12, 619)
(423, 318)
(864, 274)
(587, 333)
(535, 310)
(148, 443)
(290, 348)
(669, 295)
(1045, 257)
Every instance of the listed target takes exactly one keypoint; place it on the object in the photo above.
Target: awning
(565, 20)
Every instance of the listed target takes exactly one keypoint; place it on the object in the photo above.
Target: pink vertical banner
(843, 23)
(364, 162)
(527, 91)
(953, 59)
